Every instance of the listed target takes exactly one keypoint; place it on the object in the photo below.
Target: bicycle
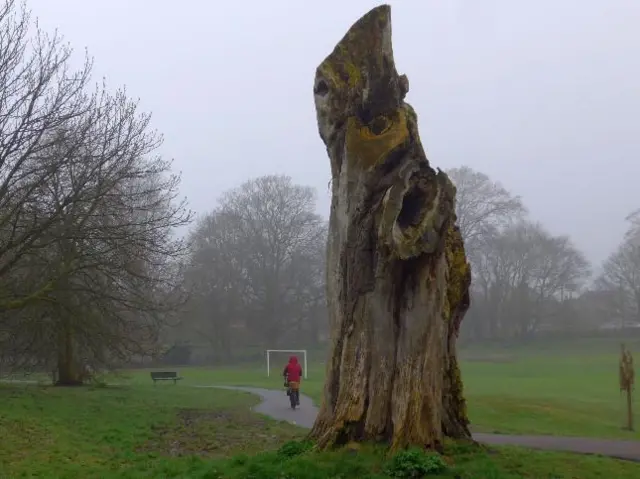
(293, 391)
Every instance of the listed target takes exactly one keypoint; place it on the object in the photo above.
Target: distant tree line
(90, 269)
(528, 282)
(256, 272)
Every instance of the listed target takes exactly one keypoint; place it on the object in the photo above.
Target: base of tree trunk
(396, 380)
(69, 383)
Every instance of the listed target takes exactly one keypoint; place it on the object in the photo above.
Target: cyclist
(292, 376)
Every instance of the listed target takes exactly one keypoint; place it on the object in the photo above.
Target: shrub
(294, 448)
(415, 464)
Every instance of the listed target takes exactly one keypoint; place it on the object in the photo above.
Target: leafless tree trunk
(397, 275)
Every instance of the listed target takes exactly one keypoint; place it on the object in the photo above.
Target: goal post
(304, 361)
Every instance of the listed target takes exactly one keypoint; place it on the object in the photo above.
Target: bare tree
(307, 294)
(215, 276)
(258, 268)
(277, 224)
(634, 225)
(39, 96)
(397, 275)
(620, 277)
(483, 206)
(88, 214)
(524, 275)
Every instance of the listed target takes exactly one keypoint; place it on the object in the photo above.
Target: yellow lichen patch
(342, 75)
(352, 446)
(344, 63)
(353, 75)
(457, 391)
(412, 126)
(366, 149)
(328, 73)
(341, 69)
(424, 233)
(446, 308)
(412, 116)
(420, 237)
(459, 268)
(360, 49)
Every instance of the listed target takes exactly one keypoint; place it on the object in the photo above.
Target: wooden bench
(165, 376)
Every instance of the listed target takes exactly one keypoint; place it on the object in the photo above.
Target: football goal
(297, 351)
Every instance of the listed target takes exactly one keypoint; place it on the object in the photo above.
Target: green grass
(550, 389)
(460, 461)
(576, 396)
(168, 431)
(125, 432)
(554, 387)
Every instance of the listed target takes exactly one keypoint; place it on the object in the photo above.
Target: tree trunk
(397, 278)
(68, 371)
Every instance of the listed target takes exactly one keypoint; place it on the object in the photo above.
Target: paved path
(276, 405)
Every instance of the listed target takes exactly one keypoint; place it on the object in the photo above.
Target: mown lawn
(183, 432)
(554, 390)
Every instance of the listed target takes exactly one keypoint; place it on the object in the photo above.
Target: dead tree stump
(397, 274)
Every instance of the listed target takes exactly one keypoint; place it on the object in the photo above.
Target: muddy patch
(211, 433)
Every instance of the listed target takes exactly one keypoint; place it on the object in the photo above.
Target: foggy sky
(540, 95)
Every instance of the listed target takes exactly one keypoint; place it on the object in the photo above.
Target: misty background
(541, 96)
(528, 106)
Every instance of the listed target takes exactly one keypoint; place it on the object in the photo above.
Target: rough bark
(397, 273)
(68, 372)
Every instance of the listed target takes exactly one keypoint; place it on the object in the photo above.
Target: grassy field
(127, 432)
(142, 431)
(137, 430)
(554, 390)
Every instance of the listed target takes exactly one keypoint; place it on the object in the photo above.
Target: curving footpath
(274, 404)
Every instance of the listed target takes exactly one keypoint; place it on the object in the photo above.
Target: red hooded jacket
(293, 370)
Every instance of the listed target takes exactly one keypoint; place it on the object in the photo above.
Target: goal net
(279, 357)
